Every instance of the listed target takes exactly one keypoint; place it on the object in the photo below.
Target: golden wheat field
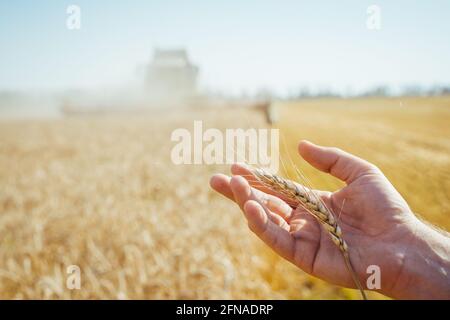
(102, 193)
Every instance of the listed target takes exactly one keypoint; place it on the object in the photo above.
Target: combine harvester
(171, 83)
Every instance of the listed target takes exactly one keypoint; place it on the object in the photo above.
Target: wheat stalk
(309, 200)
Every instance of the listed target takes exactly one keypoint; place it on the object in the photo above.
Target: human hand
(377, 224)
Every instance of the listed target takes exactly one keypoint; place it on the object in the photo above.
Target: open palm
(375, 220)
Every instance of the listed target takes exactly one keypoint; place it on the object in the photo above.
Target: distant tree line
(378, 91)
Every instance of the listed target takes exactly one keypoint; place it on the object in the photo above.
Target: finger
(243, 192)
(276, 237)
(338, 163)
(274, 204)
(221, 183)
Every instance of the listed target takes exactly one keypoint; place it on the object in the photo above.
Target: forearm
(426, 270)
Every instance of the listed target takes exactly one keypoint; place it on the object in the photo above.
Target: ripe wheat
(312, 203)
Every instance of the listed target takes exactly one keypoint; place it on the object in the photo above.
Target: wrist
(425, 271)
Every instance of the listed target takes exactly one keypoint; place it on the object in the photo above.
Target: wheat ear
(309, 200)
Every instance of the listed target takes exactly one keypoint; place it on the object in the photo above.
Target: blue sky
(239, 45)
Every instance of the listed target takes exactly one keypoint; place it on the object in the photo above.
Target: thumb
(338, 163)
